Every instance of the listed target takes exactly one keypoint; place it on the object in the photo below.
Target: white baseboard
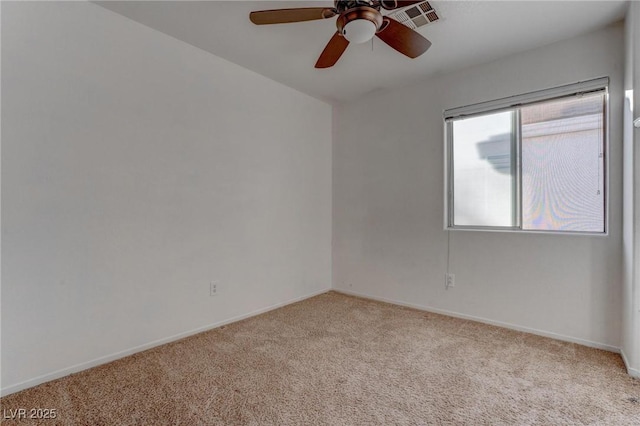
(632, 371)
(543, 333)
(108, 358)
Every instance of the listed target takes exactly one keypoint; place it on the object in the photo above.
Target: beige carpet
(340, 360)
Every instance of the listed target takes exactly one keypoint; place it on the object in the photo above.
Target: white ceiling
(468, 33)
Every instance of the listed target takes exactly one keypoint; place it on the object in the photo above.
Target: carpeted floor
(341, 360)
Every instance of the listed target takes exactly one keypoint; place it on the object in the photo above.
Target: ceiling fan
(358, 21)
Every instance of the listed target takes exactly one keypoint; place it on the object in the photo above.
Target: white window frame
(450, 115)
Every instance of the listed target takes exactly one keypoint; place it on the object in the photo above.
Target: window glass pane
(483, 175)
(563, 165)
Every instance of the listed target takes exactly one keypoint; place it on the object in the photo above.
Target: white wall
(135, 170)
(388, 237)
(630, 341)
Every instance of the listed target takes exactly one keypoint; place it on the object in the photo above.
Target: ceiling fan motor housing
(389, 4)
(342, 5)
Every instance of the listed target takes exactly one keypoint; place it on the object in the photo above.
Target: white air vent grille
(416, 16)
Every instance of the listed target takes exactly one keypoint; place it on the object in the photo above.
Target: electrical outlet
(450, 280)
(213, 288)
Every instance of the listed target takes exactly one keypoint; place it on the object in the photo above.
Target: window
(533, 162)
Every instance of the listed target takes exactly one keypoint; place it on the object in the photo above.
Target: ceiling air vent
(416, 16)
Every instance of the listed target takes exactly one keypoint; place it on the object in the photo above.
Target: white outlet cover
(450, 280)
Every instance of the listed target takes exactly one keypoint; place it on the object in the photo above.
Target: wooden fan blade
(283, 16)
(332, 51)
(403, 39)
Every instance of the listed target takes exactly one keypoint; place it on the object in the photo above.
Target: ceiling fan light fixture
(359, 24)
(359, 31)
